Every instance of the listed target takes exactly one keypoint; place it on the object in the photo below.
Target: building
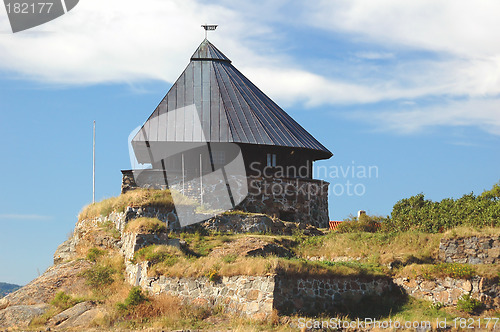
(214, 104)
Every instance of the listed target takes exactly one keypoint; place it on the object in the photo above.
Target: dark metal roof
(230, 108)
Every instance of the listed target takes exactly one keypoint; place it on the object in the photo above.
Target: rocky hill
(124, 267)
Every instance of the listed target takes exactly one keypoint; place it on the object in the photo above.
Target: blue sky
(412, 89)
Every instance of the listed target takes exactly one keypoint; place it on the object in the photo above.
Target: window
(271, 159)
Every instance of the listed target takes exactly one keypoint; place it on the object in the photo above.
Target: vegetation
(380, 247)
(94, 254)
(7, 288)
(404, 244)
(99, 276)
(64, 301)
(364, 223)
(109, 227)
(146, 226)
(135, 297)
(418, 213)
(137, 197)
(467, 304)
(158, 254)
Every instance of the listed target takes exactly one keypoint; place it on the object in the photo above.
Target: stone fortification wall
(472, 250)
(289, 199)
(447, 291)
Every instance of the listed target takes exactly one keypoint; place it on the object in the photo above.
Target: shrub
(364, 223)
(94, 253)
(418, 213)
(134, 298)
(99, 276)
(64, 301)
(213, 274)
(467, 304)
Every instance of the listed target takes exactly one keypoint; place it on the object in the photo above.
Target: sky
(405, 94)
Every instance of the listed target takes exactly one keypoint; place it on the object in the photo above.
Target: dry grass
(459, 271)
(137, 197)
(257, 266)
(381, 248)
(145, 225)
(470, 231)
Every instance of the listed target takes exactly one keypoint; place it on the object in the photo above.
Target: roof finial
(208, 27)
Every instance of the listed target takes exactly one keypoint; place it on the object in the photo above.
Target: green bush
(99, 276)
(364, 223)
(94, 253)
(213, 274)
(64, 301)
(467, 304)
(134, 298)
(418, 213)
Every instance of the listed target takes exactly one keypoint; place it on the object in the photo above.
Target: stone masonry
(289, 199)
(471, 250)
(447, 291)
(316, 294)
(246, 295)
(257, 296)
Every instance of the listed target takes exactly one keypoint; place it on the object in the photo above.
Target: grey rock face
(20, 316)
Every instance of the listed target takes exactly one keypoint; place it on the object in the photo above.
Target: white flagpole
(93, 167)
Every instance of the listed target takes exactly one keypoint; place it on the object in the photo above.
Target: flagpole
(93, 166)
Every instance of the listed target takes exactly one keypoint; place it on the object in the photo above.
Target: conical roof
(230, 108)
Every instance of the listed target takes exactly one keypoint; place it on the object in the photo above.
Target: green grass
(157, 254)
(469, 305)
(64, 301)
(94, 254)
(381, 247)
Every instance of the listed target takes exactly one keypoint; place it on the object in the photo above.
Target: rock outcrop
(63, 277)
(21, 316)
(251, 246)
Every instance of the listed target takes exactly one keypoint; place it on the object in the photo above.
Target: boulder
(65, 251)
(251, 246)
(63, 277)
(20, 316)
(71, 314)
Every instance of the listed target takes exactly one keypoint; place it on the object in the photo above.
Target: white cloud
(123, 41)
(481, 113)
(461, 27)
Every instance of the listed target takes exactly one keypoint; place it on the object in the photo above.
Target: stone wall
(246, 295)
(258, 296)
(316, 295)
(88, 230)
(472, 250)
(447, 291)
(299, 200)
(132, 242)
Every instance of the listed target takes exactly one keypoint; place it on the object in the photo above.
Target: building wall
(290, 199)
